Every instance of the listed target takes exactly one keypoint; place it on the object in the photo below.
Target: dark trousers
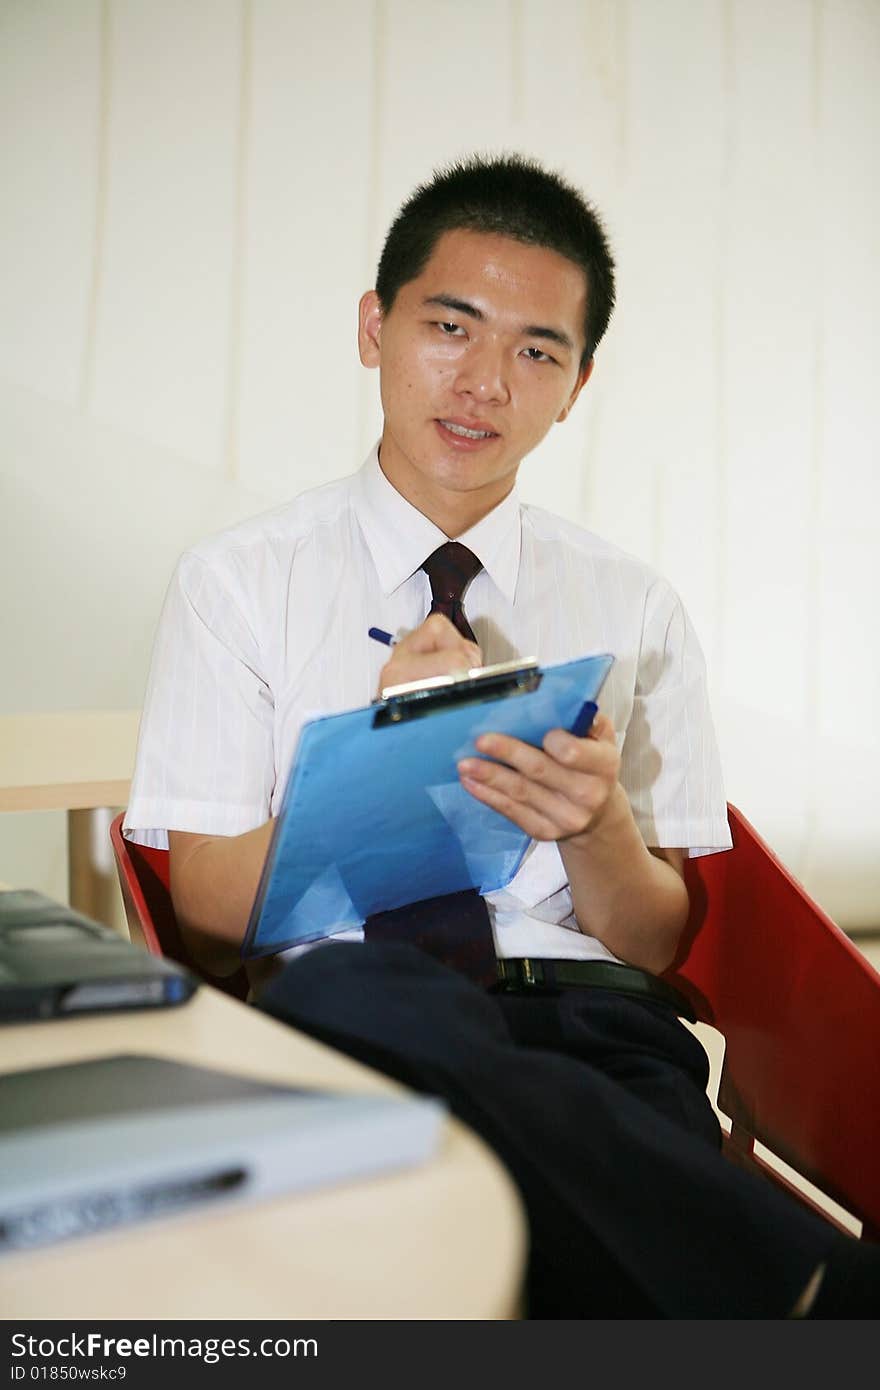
(596, 1104)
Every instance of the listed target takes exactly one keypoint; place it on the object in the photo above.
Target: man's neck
(453, 513)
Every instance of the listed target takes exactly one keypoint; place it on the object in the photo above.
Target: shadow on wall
(95, 521)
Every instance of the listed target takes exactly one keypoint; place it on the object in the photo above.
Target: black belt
(524, 974)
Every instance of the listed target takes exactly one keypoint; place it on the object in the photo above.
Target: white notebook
(88, 1146)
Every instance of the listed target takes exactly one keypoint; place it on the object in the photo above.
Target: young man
(494, 289)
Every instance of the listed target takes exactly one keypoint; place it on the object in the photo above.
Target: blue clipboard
(374, 816)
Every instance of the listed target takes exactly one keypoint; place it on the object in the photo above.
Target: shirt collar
(399, 538)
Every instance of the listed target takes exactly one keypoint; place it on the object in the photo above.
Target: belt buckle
(522, 973)
(532, 972)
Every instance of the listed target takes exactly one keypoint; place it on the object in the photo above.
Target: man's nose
(483, 375)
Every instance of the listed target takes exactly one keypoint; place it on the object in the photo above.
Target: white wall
(194, 194)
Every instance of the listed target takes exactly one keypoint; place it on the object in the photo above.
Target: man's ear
(369, 329)
(583, 377)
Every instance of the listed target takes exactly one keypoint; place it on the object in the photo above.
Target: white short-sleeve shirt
(265, 626)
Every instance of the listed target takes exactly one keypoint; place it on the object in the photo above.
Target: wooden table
(445, 1239)
(80, 763)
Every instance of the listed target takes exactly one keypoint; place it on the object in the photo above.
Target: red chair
(799, 1008)
(797, 1003)
(143, 878)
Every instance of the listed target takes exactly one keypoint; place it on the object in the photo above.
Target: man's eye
(536, 355)
(450, 329)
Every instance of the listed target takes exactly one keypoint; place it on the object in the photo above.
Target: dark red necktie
(450, 570)
(455, 928)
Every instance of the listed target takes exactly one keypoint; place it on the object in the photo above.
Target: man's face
(478, 356)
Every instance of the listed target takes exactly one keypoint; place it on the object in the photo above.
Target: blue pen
(378, 635)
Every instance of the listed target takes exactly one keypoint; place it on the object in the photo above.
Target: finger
(602, 728)
(562, 744)
(598, 755)
(560, 764)
(567, 799)
(543, 816)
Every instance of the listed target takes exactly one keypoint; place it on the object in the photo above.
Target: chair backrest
(799, 1008)
(149, 911)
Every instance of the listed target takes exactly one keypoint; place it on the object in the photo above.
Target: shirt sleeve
(205, 760)
(671, 768)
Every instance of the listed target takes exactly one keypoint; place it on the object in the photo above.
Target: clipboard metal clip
(481, 683)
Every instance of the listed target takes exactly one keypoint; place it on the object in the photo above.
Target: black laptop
(55, 962)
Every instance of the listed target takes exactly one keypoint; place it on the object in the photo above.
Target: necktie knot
(450, 569)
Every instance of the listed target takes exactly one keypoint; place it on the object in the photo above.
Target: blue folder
(374, 815)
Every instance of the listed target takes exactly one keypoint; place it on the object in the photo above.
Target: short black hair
(511, 196)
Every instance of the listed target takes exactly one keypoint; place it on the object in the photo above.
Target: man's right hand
(436, 648)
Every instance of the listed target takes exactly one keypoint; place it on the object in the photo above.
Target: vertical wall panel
(847, 203)
(661, 469)
(50, 86)
(770, 342)
(307, 260)
(566, 93)
(841, 864)
(567, 98)
(163, 342)
(446, 90)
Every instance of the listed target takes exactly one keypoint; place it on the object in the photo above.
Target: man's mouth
(465, 432)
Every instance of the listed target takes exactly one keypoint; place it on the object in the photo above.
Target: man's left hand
(557, 792)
